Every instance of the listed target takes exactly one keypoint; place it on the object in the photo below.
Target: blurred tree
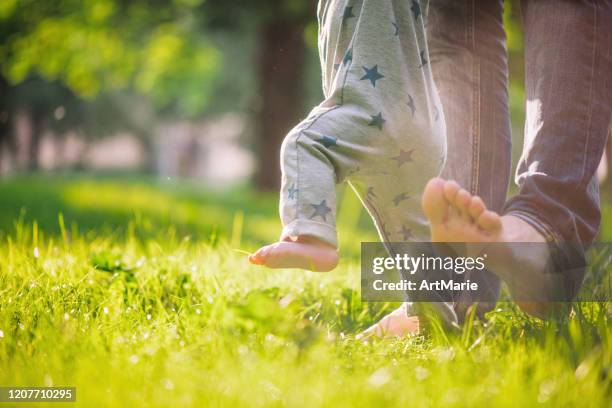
(75, 62)
(5, 119)
(281, 76)
(280, 27)
(94, 49)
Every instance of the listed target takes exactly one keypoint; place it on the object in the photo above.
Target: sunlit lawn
(138, 294)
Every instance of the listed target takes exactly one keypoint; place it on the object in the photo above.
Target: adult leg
(469, 61)
(568, 88)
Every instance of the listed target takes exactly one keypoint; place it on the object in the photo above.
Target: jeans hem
(543, 227)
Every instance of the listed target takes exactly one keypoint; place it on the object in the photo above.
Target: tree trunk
(281, 75)
(37, 126)
(5, 122)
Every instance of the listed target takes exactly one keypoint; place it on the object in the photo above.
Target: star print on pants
(397, 29)
(377, 121)
(328, 141)
(320, 210)
(348, 57)
(406, 233)
(402, 197)
(352, 172)
(404, 156)
(292, 192)
(411, 105)
(372, 74)
(370, 193)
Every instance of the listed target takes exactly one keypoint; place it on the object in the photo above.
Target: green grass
(138, 296)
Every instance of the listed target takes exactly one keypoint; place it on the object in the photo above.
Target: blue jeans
(568, 89)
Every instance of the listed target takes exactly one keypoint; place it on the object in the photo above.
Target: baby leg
(315, 156)
(380, 121)
(307, 198)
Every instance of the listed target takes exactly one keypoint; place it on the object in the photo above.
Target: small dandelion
(380, 377)
(337, 302)
(148, 316)
(66, 316)
(36, 253)
(145, 335)
(133, 359)
(547, 388)
(580, 373)
(421, 373)
(198, 311)
(105, 310)
(48, 380)
(168, 384)
(1, 334)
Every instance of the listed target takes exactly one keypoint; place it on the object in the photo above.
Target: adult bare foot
(395, 324)
(305, 253)
(457, 216)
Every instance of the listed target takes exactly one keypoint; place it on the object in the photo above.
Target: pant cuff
(541, 226)
(310, 228)
(566, 256)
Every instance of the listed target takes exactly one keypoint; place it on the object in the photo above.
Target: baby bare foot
(305, 253)
(395, 324)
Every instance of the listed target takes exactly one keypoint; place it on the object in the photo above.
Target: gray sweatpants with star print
(380, 127)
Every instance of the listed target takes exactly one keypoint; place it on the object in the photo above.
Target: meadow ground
(138, 294)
